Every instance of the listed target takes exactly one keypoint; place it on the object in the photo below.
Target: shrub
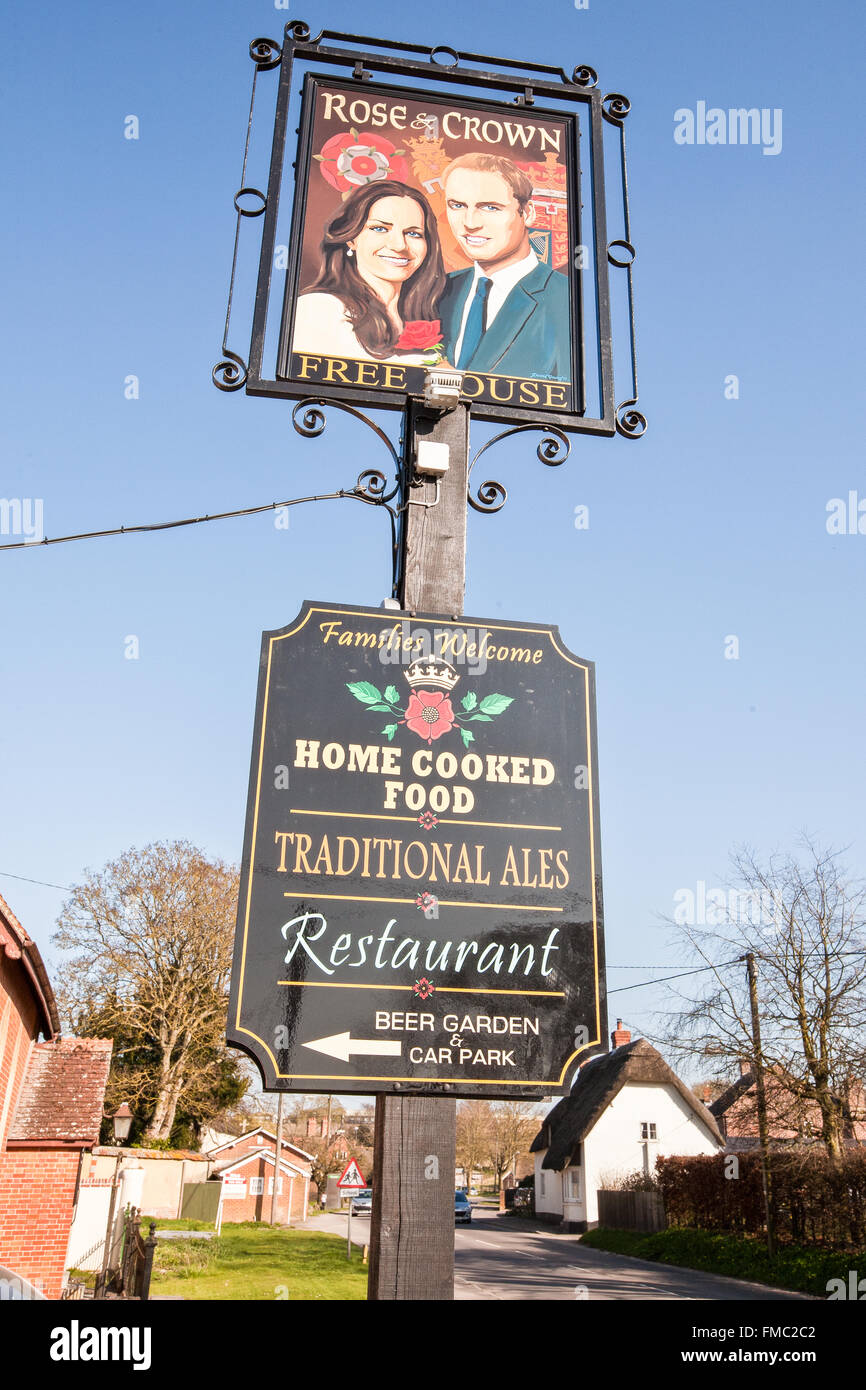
(814, 1200)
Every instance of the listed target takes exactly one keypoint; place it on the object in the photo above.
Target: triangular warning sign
(352, 1176)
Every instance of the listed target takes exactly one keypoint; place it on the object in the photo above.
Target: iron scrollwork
(266, 53)
(552, 450)
(630, 422)
(230, 373)
(615, 107)
(584, 76)
(371, 485)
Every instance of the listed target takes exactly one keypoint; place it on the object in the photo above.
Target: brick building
(247, 1166)
(789, 1120)
(51, 1103)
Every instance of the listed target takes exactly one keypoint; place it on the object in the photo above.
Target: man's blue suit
(529, 337)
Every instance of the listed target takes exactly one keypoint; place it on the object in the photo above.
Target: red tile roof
(63, 1093)
(19, 946)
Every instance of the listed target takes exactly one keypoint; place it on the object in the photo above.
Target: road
(501, 1258)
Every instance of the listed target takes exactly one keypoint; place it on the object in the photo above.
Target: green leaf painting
(495, 704)
(365, 692)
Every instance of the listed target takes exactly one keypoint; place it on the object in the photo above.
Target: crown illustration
(432, 672)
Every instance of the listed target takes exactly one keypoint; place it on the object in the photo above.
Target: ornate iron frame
(528, 81)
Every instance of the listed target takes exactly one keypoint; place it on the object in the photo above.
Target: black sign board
(420, 905)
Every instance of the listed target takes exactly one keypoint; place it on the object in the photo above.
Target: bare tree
(473, 1128)
(802, 917)
(148, 947)
(513, 1124)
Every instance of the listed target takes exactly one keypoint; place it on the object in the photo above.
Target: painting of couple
(383, 294)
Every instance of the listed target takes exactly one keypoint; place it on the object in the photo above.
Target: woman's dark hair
(339, 275)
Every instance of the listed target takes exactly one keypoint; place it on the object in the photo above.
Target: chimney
(707, 1096)
(745, 1066)
(620, 1036)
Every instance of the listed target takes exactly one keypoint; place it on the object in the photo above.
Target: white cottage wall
(614, 1146)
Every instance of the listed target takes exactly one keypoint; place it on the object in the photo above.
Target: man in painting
(509, 314)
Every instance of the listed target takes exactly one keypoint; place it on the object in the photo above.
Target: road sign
(420, 905)
(352, 1175)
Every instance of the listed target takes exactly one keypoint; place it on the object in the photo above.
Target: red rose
(420, 334)
(429, 714)
(355, 158)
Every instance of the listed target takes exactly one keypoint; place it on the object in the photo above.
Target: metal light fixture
(122, 1121)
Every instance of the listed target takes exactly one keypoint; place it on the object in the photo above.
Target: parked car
(362, 1202)
(462, 1207)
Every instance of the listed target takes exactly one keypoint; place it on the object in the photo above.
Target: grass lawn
(175, 1224)
(252, 1261)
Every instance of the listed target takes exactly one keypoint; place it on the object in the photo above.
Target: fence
(124, 1264)
(631, 1211)
(137, 1259)
(201, 1201)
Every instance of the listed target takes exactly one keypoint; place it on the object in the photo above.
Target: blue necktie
(475, 322)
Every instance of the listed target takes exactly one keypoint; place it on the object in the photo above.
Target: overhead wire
(189, 521)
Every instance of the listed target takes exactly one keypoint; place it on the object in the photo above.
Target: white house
(626, 1107)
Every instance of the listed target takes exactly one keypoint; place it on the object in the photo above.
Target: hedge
(815, 1201)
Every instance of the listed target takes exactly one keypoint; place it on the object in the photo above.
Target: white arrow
(342, 1045)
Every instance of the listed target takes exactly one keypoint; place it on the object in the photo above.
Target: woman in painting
(382, 276)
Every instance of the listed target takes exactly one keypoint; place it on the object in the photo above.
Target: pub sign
(427, 207)
(433, 232)
(420, 907)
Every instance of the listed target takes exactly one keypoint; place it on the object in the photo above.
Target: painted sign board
(424, 206)
(420, 907)
(351, 1175)
(434, 230)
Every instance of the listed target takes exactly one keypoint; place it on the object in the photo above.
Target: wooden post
(412, 1225)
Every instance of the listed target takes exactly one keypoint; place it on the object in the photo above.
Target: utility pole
(279, 1155)
(412, 1226)
(763, 1129)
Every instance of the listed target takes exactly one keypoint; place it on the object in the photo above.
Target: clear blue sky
(116, 256)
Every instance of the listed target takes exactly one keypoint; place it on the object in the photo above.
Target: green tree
(147, 946)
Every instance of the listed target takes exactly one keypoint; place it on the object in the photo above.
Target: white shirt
(503, 282)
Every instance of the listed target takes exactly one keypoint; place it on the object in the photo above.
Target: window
(543, 1176)
(257, 1187)
(647, 1131)
(572, 1184)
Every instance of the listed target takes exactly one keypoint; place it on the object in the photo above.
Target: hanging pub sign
(420, 904)
(431, 208)
(432, 232)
